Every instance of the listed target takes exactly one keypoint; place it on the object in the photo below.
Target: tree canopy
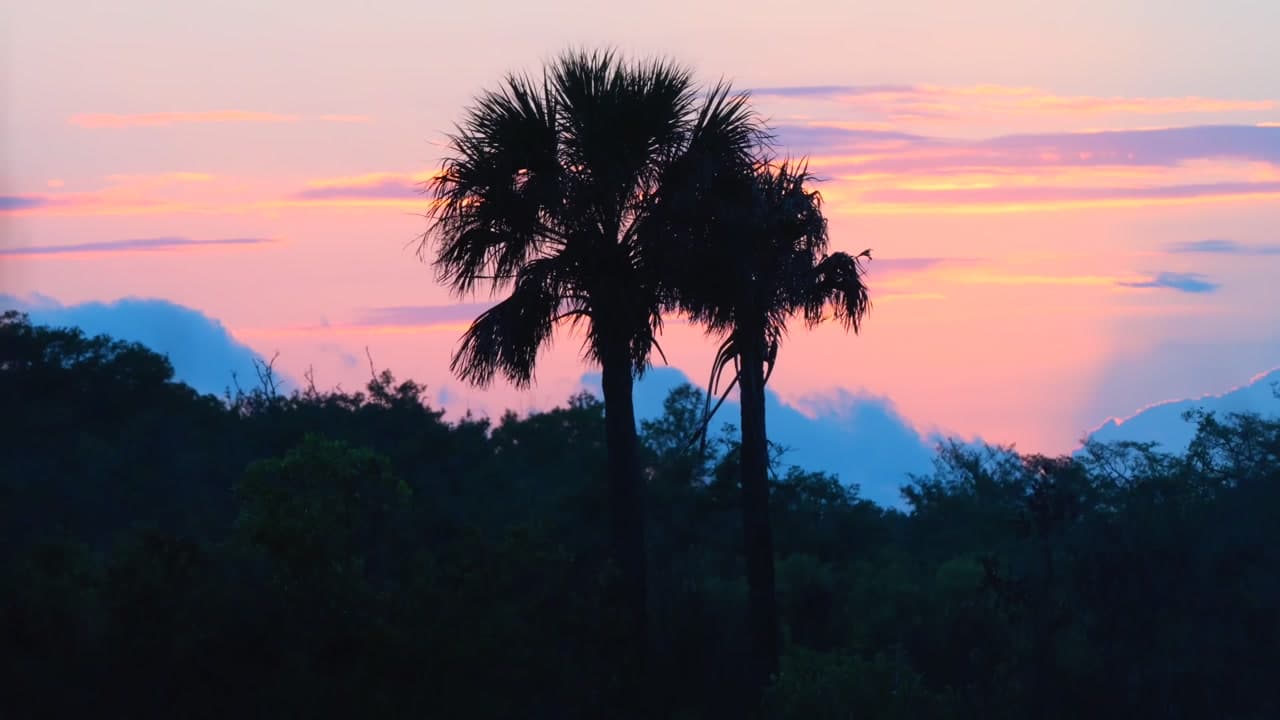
(338, 554)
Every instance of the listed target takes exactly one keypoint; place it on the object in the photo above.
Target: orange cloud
(369, 180)
(164, 119)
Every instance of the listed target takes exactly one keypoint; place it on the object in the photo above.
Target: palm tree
(762, 260)
(548, 189)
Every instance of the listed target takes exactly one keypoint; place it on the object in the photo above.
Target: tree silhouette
(548, 189)
(762, 260)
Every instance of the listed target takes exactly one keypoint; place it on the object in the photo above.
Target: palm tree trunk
(626, 498)
(757, 531)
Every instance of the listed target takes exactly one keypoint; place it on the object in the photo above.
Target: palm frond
(838, 282)
(497, 193)
(506, 338)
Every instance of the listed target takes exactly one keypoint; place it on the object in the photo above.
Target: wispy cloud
(355, 119)
(202, 193)
(392, 186)
(419, 315)
(163, 119)
(170, 178)
(832, 91)
(935, 102)
(901, 266)
(838, 149)
(1218, 246)
(1032, 197)
(160, 244)
(17, 203)
(1182, 282)
(390, 189)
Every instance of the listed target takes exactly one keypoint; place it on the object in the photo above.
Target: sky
(1074, 209)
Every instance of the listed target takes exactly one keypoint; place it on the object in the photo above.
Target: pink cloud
(346, 118)
(161, 244)
(164, 119)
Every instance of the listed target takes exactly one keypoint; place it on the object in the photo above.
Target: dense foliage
(331, 554)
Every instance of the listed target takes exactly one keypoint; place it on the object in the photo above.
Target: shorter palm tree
(762, 260)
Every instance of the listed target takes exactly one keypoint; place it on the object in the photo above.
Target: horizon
(1060, 241)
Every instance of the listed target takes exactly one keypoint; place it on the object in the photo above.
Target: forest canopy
(354, 554)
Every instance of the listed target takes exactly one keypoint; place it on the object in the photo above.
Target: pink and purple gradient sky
(1075, 208)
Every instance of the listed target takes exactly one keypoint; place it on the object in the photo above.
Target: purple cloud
(818, 138)
(1182, 282)
(419, 315)
(161, 243)
(1223, 247)
(388, 189)
(1070, 194)
(13, 203)
(827, 91)
(1165, 147)
(908, 265)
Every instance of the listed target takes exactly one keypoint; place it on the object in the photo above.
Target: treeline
(337, 554)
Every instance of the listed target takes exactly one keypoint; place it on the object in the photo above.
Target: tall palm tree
(547, 190)
(762, 260)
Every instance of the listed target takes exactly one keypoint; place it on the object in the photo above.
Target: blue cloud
(858, 437)
(1178, 367)
(203, 353)
(1219, 246)
(158, 243)
(1164, 424)
(1182, 282)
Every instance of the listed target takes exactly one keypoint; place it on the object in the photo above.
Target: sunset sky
(1074, 208)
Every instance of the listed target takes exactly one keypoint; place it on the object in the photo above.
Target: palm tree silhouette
(549, 188)
(761, 260)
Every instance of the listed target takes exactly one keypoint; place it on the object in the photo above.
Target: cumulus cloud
(203, 353)
(1163, 423)
(1216, 246)
(857, 436)
(1182, 282)
(160, 244)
